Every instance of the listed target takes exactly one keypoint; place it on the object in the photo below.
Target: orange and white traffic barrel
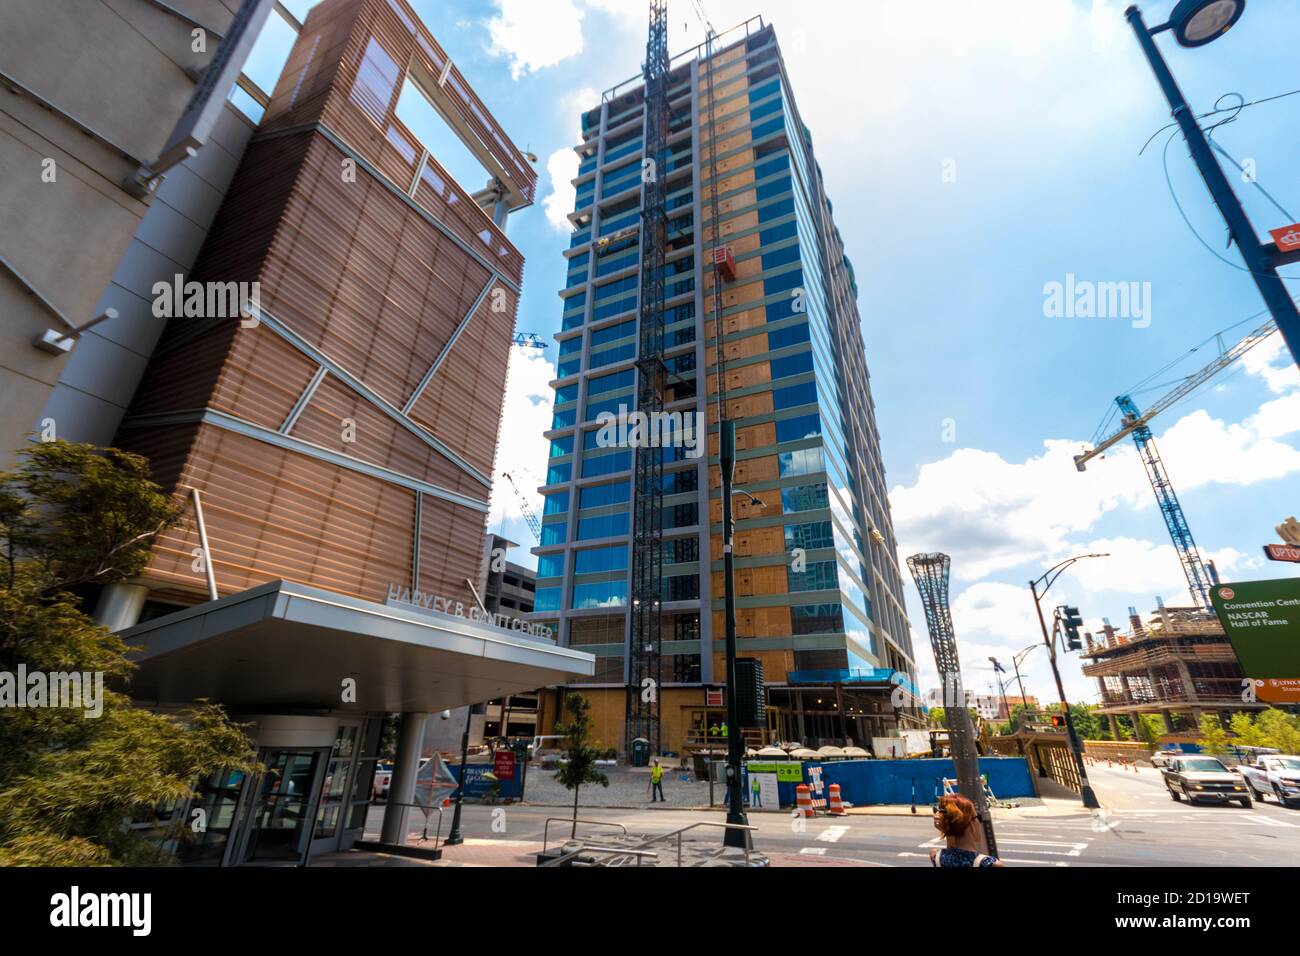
(803, 800)
(836, 808)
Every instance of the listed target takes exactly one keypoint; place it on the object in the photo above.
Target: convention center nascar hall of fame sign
(1262, 620)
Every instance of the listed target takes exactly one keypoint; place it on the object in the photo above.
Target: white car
(1275, 775)
(1161, 758)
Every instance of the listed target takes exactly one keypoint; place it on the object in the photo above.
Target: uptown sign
(424, 601)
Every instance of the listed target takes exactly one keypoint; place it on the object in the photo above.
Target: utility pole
(1192, 24)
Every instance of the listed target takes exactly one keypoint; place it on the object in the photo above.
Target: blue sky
(973, 157)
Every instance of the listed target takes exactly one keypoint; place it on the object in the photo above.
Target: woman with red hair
(954, 818)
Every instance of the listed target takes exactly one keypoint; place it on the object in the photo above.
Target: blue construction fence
(476, 786)
(865, 782)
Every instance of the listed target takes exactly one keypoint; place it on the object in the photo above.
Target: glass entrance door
(284, 802)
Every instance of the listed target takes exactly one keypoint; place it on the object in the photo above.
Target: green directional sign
(1262, 620)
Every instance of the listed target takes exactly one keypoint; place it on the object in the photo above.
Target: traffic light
(1072, 621)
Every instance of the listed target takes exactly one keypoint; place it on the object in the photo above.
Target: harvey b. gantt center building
(333, 441)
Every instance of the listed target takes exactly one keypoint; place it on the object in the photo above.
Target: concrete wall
(119, 68)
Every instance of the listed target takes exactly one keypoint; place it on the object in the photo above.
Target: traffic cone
(803, 800)
(836, 807)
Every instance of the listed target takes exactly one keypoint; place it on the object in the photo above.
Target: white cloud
(520, 446)
(1277, 418)
(561, 166)
(993, 515)
(1271, 361)
(535, 34)
(1138, 566)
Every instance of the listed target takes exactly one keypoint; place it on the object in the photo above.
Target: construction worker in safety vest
(713, 729)
(657, 781)
(724, 728)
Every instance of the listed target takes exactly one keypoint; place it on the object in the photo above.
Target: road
(1140, 825)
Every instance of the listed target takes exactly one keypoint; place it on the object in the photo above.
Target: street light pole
(1015, 664)
(1085, 788)
(735, 806)
(454, 838)
(1261, 259)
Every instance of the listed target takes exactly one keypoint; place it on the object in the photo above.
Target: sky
(978, 157)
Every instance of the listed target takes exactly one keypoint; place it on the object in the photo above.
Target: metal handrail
(546, 827)
(437, 833)
(702, 823)
(608, 850)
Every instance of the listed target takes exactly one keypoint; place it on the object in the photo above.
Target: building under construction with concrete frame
(1178, 663)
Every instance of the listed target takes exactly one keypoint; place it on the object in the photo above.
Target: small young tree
(1214, 739)
(580, 755)
(1280, 730)
(70, 779)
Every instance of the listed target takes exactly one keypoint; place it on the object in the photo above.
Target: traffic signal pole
(1085, 788)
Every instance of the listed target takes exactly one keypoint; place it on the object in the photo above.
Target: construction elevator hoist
(1200, 575)
(644, 677)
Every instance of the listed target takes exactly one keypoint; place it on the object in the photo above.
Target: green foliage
(1087, 723)
(937, 718)
(1268, 728)
(580, 755)
(72, 515)
(1150, 728)
(1214, 739)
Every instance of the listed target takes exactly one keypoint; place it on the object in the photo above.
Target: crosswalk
(1023, 849)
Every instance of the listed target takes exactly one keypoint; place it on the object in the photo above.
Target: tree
(1246, 731)
(1279, 730)
(71, 776)
(936, 717)
(580, 755)
(1214, 739)
(1150, 728)
(1087, 724)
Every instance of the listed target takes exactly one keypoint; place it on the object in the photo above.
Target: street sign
(713, 697)
(1287, 238)
(503, 764)
(1262, 620)
(1278, 691)
(1282, 552)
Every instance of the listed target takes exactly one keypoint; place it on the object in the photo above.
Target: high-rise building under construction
(819, 597)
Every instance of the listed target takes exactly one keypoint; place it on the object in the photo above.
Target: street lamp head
(1198, 22)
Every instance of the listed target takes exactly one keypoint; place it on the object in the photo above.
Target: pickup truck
(1203, 778)
(1277, 775)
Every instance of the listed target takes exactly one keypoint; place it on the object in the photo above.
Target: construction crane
(1200, 576)
(528, 340)
(644, 676)
(529, 516)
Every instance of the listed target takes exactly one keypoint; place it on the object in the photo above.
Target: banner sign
(1262, 620)
(791, 772)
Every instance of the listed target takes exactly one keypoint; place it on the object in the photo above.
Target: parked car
(1204, 778)
(1161, 758)
(1277, 775)
(383, 780)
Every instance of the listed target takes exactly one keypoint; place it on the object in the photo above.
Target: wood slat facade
(290, 420)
